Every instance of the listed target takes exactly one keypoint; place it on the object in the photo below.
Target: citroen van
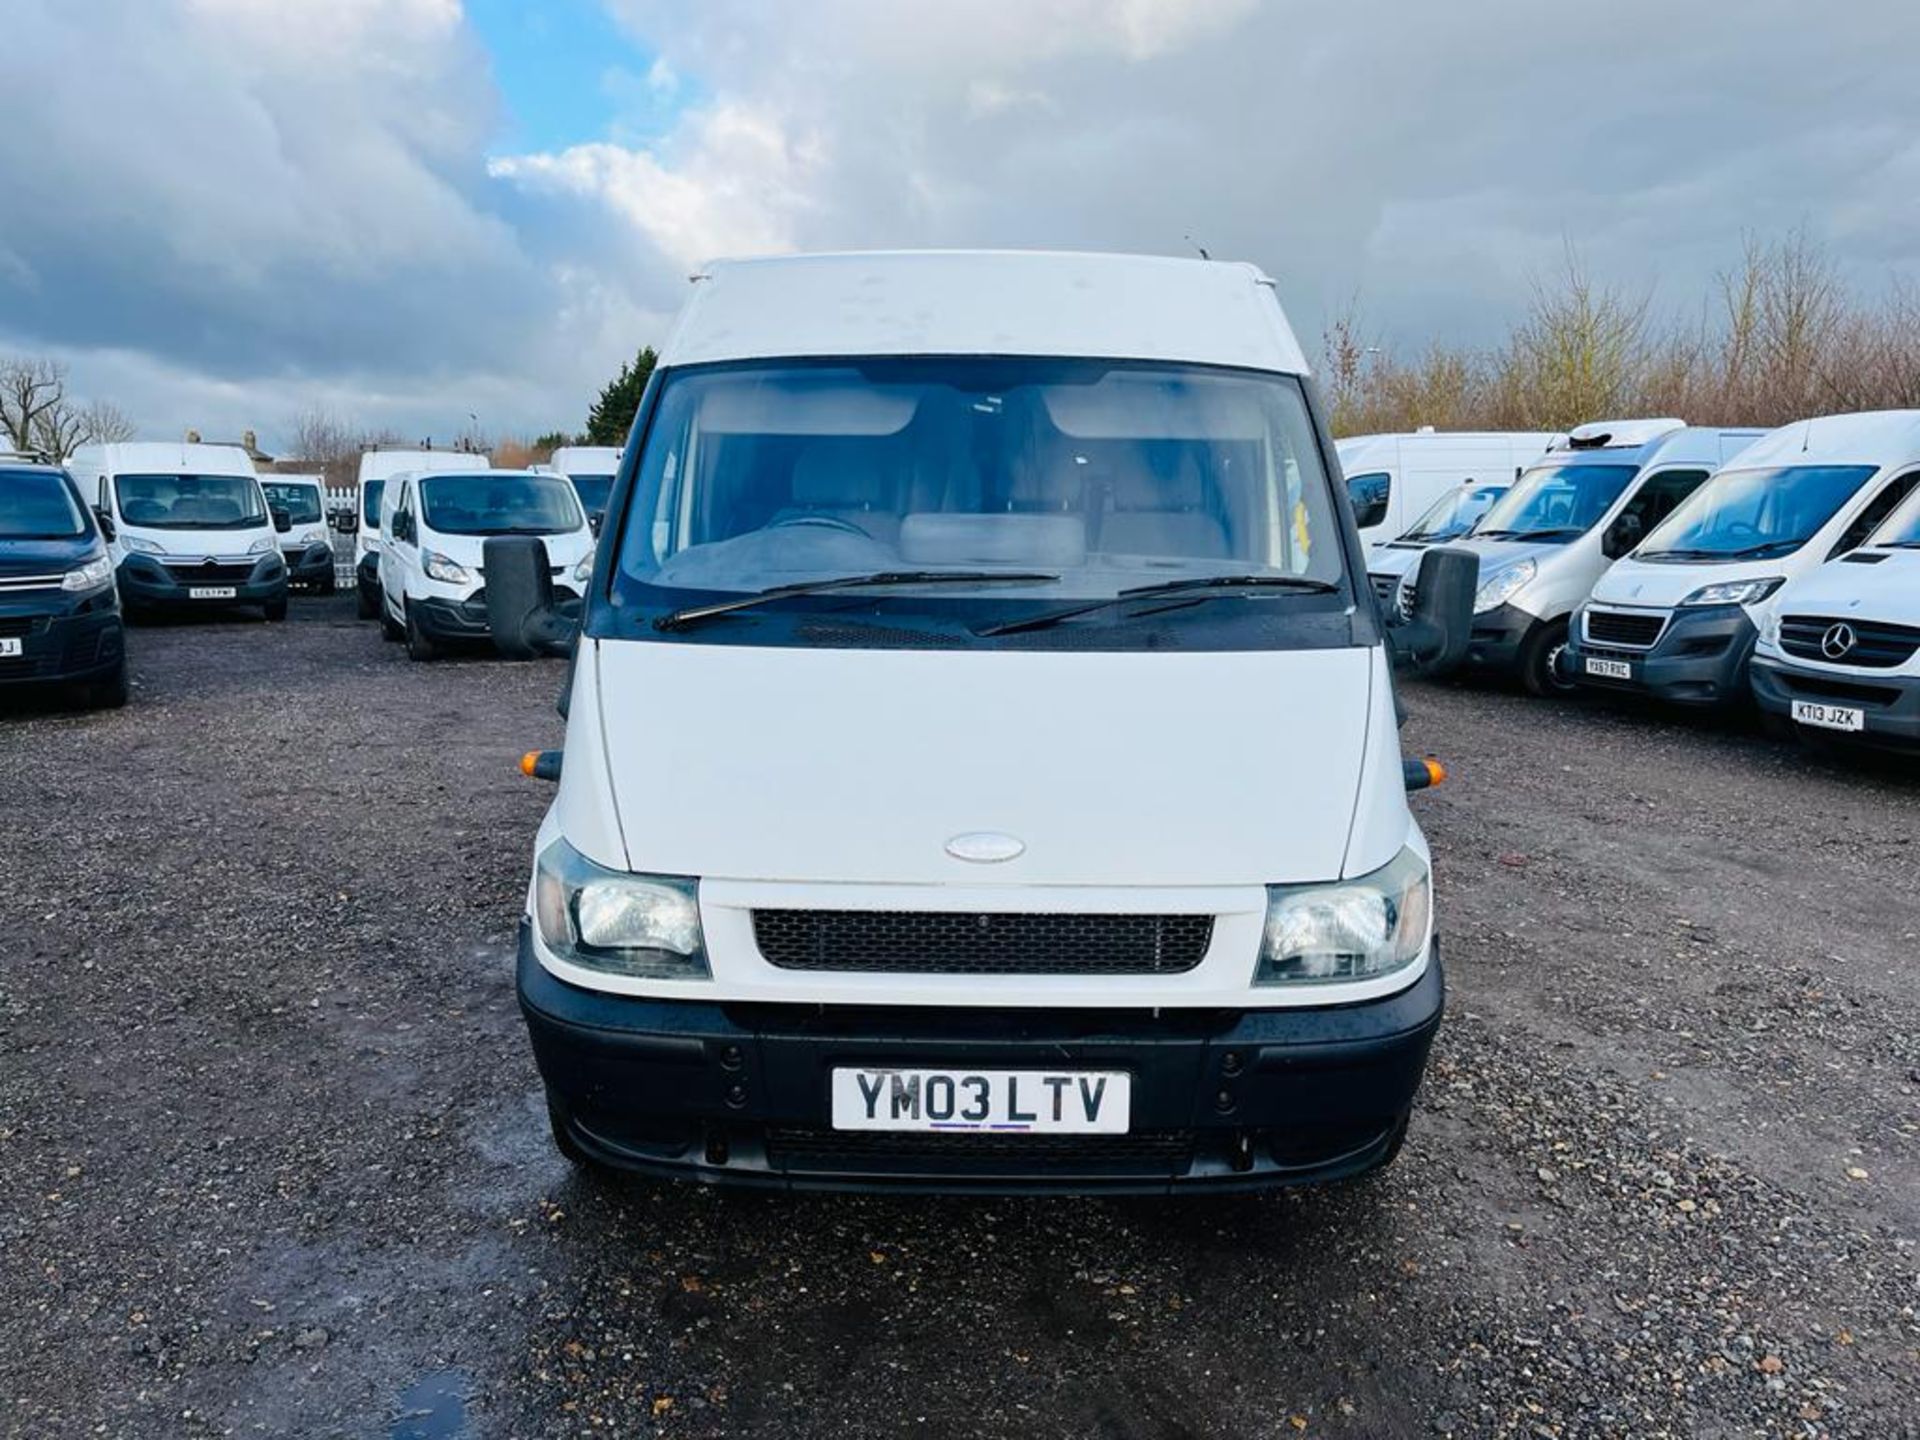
(981, 767)
(59, 612)
(1545, 542)
(435, 525)
(307, 547)
(1677, 618)
(1452, 517)
(377, 467)
(188, 526)
(590, 468)
(1393, 479)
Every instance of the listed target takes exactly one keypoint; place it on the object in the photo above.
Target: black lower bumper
(1889, 705)
(465, 621)
(740, 1094)
(311, 566)
(147, 584)
(1496, 638)
(83, 643)
(1700, 659)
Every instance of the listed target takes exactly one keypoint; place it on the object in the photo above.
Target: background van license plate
(211, 592)
(10, 646)
(1829, 717)
(1611, 669)
(1001, 1102)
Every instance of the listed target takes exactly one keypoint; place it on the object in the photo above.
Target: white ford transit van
(1677, 618)
(1545, 542)
(1393, 479)
(188, 526)
(981, 767)
(590, 468)
(432, 563)
(376, 468)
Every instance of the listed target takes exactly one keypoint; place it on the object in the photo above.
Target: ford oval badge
(984, 847)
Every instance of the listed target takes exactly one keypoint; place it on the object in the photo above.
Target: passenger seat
(1154, 515)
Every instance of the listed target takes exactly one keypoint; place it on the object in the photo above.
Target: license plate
(1000, 1102)
(1609, 669)
(11, 646)
(211, 592)
(1829, 717)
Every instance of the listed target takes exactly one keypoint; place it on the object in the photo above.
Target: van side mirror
(346, 522)
(1625, 533)
(1434, 639)
(520, 611)
(282, 518)
(101, 514)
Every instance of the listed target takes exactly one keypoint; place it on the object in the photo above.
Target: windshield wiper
(1199, 585)
(693, 614)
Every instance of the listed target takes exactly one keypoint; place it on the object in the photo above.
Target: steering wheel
(829, 522)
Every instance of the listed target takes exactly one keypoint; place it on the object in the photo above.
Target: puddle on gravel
(434, 1407)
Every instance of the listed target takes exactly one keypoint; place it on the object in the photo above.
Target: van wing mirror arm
(1433, 641)
(521, 615)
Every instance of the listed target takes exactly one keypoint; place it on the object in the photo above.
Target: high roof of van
(594, 459)
(1870, 437)
(134, 457)
(985, 302)
(383, 464)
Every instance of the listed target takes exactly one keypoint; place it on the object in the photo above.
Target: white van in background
(187, 524)
(435, 525)
(308, 546)
(1545, 542)
(1677, 618)
(1393, 479)
(591, 469)
(1839, 655)
(376, 468)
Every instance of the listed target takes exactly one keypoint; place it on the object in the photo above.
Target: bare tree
(30, 386)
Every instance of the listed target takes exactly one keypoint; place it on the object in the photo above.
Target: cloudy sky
(221, 213)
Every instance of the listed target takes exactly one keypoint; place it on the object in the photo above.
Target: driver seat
(845, 480)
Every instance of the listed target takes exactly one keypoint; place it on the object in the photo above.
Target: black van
(59, 612)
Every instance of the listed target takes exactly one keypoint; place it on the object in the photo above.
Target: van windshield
(499, 505)
(370, 503)
(1753, 514)
(1094, 476)
(38, 505)
(301, 502)
(191, 502)
(1452, 516)
(593, 490)
(1556, 502)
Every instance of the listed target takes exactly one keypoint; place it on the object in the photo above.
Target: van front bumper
(1889, 705)
(1496, 637)
(145, 582)
(1700, 658)
(739, 1094)
(311, 564)
(465, 620)
(62, 640)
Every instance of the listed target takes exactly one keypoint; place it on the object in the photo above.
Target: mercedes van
(1545, 542)
(981, 766)
(307, 547)
(1677, 618)
(1393, 479)
(188, 526)
(377, 467)
(59, 612)
(1452, 517)
(435, 525)
(590, 468)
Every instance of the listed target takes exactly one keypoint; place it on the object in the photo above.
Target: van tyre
(1542, 659)
(110, 693)
(366, 605)
(390, 628)
(420, 645)
(275, 610)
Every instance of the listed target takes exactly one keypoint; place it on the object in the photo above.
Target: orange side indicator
(541, 764)
(1436, 772)
(528, 761)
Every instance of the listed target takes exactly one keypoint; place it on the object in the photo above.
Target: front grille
(1876, 645)
(1615, 627)
(220, 572)
(1145, 1152)
(1383, 587)
(934, 942)
(11, 583)
(18, 627)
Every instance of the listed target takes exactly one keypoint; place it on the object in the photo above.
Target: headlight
(611, 920)
(264, 544)
(583, 572)
(90, 576)
(1502, 586)
(142, 547)
(1736, 592)
(313, 537)
(1353, 930)
(447, 572)
(372, 543)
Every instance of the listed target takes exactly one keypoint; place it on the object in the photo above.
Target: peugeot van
(435, 526)
(308, 546)
(590, 468)
(1677, 619)
(1452, 517)
(59, 612)
(188, 526)
(1393, 479)
(377, 467)
(1545, 542)
(981, 767)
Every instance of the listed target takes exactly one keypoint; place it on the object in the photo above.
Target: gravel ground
(273, 1159)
